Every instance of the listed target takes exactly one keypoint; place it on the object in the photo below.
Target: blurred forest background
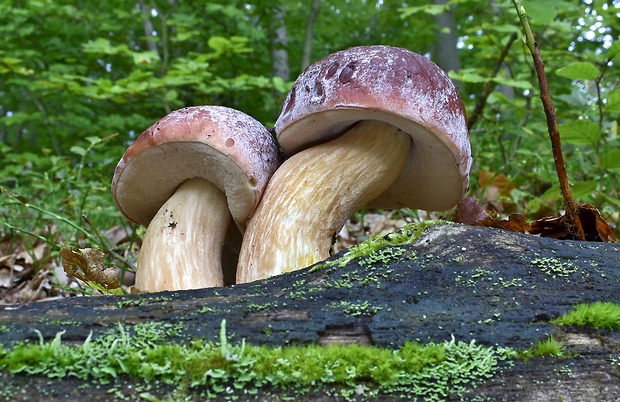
(80, 80)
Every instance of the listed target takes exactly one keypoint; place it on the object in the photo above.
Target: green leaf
(614, 50)
(513, 83)
(580, 132)
(171, 95)
(145, 57)
(581, 190)
(542, 12)
(280, 85)
(218, 43)
(611, 159)
(613, 102)
(432, 9)
(579, 71)
(467, 76)
(93, 140)
(78, 150)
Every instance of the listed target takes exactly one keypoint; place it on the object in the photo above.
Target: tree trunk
(445, 50)
(147, 24)
(279, 42)
(498, 288)
(307, 54)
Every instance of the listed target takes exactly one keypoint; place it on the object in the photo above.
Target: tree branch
(573, 220)
(488, 87)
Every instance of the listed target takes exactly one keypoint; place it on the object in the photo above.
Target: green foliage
(600, 315)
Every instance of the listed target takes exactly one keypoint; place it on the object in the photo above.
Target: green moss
(600, 315)
(146, 354)
(549, 347)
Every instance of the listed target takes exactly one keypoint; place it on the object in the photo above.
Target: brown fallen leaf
(497, 188)
(514, 223)
(594, 225)
(596, 228)
(87, 264)
(468, 211)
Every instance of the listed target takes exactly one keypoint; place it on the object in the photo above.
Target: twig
(488, 86)
(573, 221)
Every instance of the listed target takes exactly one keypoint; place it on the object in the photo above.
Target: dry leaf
(468, 211)
(497, 188)
(87, 264)
(514, 223)
(594, 225)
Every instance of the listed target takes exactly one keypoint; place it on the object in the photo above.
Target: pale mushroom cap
(222, 145)
(393, 85)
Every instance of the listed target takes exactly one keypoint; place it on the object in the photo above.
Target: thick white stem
(182, 246)
(310, 197)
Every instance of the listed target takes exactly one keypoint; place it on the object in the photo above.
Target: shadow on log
(495, 287)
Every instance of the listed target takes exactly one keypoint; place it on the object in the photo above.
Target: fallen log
(451, 286)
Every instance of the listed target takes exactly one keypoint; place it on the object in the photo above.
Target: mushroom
(372, 126)
(191, 177)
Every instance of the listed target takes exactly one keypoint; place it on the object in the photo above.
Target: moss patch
(144, 353)
(600, 315)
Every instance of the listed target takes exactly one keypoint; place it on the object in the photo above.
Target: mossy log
(495, 287)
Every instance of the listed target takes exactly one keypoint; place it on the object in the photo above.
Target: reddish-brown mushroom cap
(222, 145)
(401, 88)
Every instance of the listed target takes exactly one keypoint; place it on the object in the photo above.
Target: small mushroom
(373, 126)
(189, 177)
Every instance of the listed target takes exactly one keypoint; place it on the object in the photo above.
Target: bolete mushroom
(188, 177)
(373, 126)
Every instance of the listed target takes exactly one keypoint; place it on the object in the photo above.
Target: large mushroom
(373, 126)
(191, 177)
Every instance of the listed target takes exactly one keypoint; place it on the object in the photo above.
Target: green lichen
(142, 301)
(554, 267)
(600, 315)
(356, 309)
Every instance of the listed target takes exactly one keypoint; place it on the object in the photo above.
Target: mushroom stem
(182, 246)
(311, 196)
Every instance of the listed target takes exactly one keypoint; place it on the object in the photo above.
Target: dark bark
(496, 287)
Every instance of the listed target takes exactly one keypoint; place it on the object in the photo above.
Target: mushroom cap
(224, 146)
(397, 86)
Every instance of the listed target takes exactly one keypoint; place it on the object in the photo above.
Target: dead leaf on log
(514, 223)
(596, 228)
(468, 211)
(87, 264)
(594, 225)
